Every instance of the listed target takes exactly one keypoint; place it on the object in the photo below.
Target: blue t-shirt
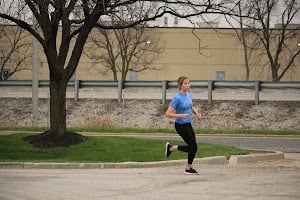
(182, 105)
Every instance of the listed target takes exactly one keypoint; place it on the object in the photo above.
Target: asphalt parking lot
(275, 179)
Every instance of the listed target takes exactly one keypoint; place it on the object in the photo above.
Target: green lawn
(102, 149)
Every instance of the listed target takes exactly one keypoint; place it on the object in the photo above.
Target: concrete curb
(253, 158)
(219, 160)
(216, 160)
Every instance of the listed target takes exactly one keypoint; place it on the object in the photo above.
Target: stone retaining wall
(150, 113)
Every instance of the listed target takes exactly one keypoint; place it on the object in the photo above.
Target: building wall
(200, 54)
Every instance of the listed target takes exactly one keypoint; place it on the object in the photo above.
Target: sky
(218, 19)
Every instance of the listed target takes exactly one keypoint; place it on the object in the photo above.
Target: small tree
(15, 50)
(122, 50)
(241, 34)
(276, 44)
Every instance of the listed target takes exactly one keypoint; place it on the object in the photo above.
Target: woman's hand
(199, 116)
(184, 115)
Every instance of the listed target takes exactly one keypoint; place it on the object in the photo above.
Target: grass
(159, 130)
(102, 149)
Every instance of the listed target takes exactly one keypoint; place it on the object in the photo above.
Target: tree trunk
(115, 74)
(57, 136)
(58, 107)
(244, 44)
(274, 69)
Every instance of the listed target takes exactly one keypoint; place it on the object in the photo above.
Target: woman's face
(185, 86)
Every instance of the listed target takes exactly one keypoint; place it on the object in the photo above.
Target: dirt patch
(50, 139)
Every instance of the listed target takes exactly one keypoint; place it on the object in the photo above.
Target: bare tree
(274, 43)
(124, 50)
(243, 40)
(241, 34)
(15, 52)
(76, 19)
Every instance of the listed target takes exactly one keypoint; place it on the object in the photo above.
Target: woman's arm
(194, 110)
(171, 113)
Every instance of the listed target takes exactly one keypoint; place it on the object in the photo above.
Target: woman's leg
(188, 135)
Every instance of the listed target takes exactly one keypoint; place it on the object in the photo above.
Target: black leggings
(187, 133)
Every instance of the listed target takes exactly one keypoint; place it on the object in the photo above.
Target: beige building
(201, 54)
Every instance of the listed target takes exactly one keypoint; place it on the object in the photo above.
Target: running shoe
(167, 150)
(191, 171)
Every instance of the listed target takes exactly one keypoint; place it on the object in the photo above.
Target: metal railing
(257, 86)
